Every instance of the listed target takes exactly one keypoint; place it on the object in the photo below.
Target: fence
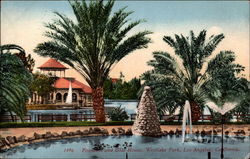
(14, 118)
(176, 118)
(52, 117)
(91, 117)
(82, 117)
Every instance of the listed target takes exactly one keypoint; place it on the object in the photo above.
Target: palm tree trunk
(12, 117)
(195, 111)
(98, 104)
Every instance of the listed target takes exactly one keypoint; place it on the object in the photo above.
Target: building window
(74, 97)
(58, 96)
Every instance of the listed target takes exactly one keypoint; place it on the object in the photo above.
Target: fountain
(69, 96)
(222, 110)
(147, 120)
(186, 116)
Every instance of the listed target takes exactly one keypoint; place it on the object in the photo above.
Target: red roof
(114, 80)
(64, 83)
(52, 63)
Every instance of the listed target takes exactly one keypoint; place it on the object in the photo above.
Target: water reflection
(56, 147)
(146, 140)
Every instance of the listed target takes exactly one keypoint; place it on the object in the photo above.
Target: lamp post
(222, 131)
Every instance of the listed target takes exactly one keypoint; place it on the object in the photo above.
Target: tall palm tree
(93, 44)
(191, 74)
(15, 80)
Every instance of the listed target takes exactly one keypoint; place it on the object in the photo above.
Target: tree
(28, 61)
(175, 79)
(118, 114)
(15, 80)
(242, 92)
(43, 85)
(121, 89)
(93, 44)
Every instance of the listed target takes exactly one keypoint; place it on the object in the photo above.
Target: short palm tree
(118, 114)
(93, 44)
(15, 80)
(191, 74)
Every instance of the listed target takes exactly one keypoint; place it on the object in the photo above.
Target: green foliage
(122, 89)
(184, 76)
(243, 107)
(28, 61)
(62, 124)
(224, 85)
(88, 123)
(95, 42)
(42, 85)
(118, 114)
(15, 80)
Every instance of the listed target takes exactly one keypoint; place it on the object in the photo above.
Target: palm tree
(15, 80)
(191, 74)
(93, 44)
(28, 61)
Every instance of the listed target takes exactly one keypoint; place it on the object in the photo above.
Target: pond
(114, 147)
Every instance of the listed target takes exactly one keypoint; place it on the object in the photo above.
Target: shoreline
(29, 131)
(56, 133)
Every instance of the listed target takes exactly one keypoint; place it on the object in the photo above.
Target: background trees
(15, 80)
(42, 85)
(191, 74)
(28, 61)
(122, 89)
(93, 44)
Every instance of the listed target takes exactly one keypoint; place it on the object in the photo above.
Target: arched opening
(74, 97)
(65, 97)
(59, 97)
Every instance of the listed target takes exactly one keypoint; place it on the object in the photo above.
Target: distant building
(81, 93)
(114, 80)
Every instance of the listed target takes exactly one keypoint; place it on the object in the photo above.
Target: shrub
(118, 114)
(61, 124)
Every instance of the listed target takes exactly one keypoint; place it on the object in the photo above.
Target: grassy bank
(60, 124)
(88, 123)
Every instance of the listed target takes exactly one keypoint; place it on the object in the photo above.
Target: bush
(118, 114)
(61, 124)
(91, 123)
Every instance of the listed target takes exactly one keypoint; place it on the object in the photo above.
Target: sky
(22, 23)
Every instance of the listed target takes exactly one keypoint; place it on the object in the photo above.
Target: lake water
(141, 148)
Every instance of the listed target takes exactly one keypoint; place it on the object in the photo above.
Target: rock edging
(13, 141)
